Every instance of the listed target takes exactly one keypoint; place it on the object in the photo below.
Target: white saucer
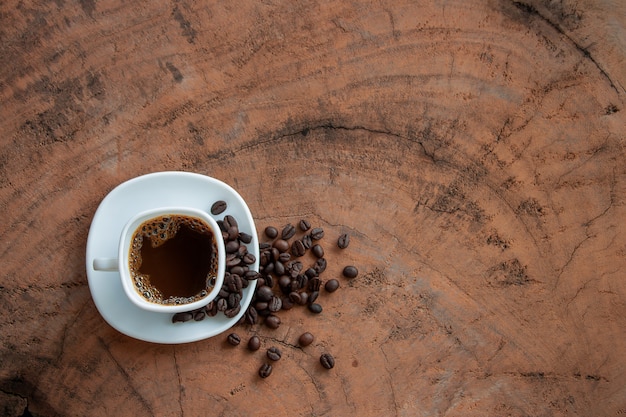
(143, 193)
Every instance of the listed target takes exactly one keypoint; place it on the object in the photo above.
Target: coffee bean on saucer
(327, 360)
(305, 339)
(218, 207)
(350, 271)
(265, 370)
(343, 241)
(182, 317)
(234, 339)
(274, 353)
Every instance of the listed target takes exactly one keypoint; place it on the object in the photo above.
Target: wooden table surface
(474, 153)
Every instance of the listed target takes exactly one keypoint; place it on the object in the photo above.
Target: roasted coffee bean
(261, 305)
(313, 296)
(271, 232)
(231, 246)
(232, 260)
(275, 254)
(304, 225)
(327, 361)
(222, 304)
(269, 281)
(221, 225)
(320, 265)
(274, 353)
(232, 312)
(229, 221)
(287, 303)
(331, 285)
(233, 233)
(234, 299)
(248, 259)
(182, 317)
(288, 232)
(265, 370)
(282, 245)
(199, 315)
(343, 241)
(218, 207)
(279, 268)
(295, 297)
(315, 308)
(252, 275)
(298, 249)
(307, 241)
(317, 233)
(284, 281)
(264, 293)
(254, 343)
(350, 271)
(275, 304)
(233, 339)
(318, 250)
(264, 246)
(272, 321)
(245, 237)
(305, 339)
(252, 316)
(237, 270)
(212, 311)
(302, 280)
(315, 284)
(304, 298)
(284, 257)
(311, 273)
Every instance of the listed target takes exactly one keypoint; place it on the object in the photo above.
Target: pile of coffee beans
(283, 279)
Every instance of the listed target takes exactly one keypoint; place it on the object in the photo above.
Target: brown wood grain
(475, 154)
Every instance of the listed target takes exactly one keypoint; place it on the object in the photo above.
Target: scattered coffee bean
(271, 232)
(307, 242)
(218, 207)
(320, 265)
(317, 233)
(305, 339)
(254, 343)
(327, 360)
(282, 245)
(272, 321)
(318, 250)
(350, 272)
(343, 241)
(274, 353)
(265, 370)
(288, 232)
(234, 339)
(229, 221)
(331, 285)
(315, 308)
(297, 248)
(304, 225)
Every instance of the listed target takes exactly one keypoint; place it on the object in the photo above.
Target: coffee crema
(173, 259)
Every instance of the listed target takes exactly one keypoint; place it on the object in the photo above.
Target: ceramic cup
(192, 219)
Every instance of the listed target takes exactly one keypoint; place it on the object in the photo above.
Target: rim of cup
(124, 255)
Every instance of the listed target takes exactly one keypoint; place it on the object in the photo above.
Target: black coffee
(173, 259)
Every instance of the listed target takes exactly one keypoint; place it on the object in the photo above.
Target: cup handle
(106, 264)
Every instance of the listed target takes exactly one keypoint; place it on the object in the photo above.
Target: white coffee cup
(121, 264)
